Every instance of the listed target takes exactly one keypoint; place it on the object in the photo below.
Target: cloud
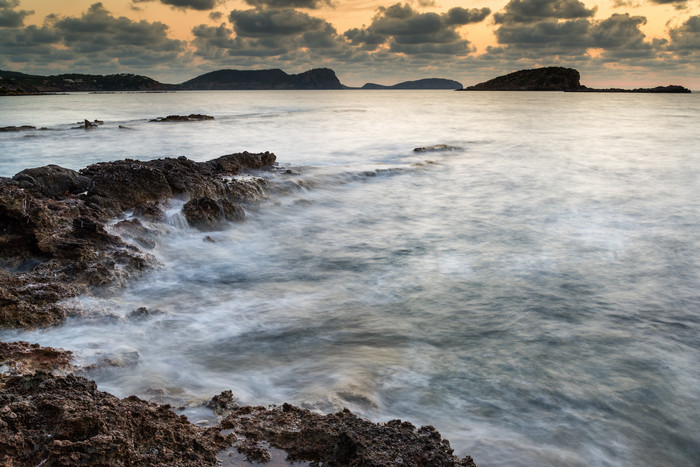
(263, 33)
(685, 39)
(185, 4)
(564, 30)
(93, 42)
(532, 11)
(308, 4)
(11, 18)
(407, 31)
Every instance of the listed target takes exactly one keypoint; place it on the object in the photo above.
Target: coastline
(58, 244)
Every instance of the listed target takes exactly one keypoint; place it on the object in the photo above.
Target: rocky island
(555, 79)
(428, 83)
(58, 240)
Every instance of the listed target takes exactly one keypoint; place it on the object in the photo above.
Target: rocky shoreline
(59, 239)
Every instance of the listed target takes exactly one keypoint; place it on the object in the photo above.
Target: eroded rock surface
(65, 421)
(338, 439)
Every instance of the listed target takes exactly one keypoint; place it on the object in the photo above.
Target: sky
(625, 43)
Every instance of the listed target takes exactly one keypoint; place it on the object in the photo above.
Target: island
(427, 83)
(318, 78)
(556, 79)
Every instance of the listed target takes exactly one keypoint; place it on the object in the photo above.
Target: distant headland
(540, 79)
(555, 79)
(14, 83)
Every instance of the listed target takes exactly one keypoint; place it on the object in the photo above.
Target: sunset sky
(611, 42)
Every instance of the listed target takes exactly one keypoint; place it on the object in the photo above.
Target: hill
(555, 79)
(12, 82)
(319, 78)
(540, 79)
(428, 83)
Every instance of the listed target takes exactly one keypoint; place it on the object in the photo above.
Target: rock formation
(556, 79)
(54, 243)
(540, 79)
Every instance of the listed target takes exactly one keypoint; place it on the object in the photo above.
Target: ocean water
(533, 293)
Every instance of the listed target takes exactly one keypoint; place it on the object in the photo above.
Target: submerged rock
(17, 128)
(436, 148)
(208, 214)
(182, 118)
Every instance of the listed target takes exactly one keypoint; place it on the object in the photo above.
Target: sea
(532, 290)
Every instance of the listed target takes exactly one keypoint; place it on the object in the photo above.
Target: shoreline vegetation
(58, 241)
(540, 79)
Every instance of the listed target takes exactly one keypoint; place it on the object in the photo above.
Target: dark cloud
(532, 11)
(679, 4)
(685, 39)
(92, 42)
(216, 15)
(410, 32)
(280, 33)
(273, 23)
(308, 4)
(185, 4)
(563, 30)
(11, 18)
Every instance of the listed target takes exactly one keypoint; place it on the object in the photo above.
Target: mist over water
(534, 294)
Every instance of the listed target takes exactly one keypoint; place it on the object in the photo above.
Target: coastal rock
(53, 181)
(23, 358)
(65, 420)
(339, 439)
(208, 214)
(436, 148)
(182, 118)
(17, 128)
(53, 240)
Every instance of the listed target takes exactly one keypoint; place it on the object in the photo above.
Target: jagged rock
(53, 241)
(339, 439)
(223, 404)
(152, 211)
(208, 214)
(182, 118)
(53, 181)
(23, 358)
(66, 421)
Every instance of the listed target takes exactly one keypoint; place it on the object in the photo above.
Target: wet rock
(182, 118)
(133, 229)
(21, 358)
(17, 128)
(339, 439)
(223, 404)
(152, 211)
(53, 181)
(143, 313)
(53, 240)
(436, 148)
(65, 420)
(208, 214)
